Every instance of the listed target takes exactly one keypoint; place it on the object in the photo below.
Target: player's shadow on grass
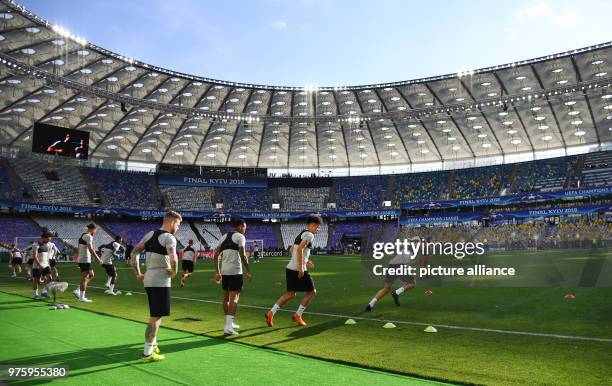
(308, 331)
(111, 358)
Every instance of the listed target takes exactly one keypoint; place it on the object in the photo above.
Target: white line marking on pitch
(449, 326)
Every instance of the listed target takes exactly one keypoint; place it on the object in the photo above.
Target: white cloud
(533, 11)
(279, 24)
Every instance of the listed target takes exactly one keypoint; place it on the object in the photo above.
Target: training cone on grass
(430, 329)
(128, 293)
(389, 325)
(350, 321)
(570, 296)
(428, 292)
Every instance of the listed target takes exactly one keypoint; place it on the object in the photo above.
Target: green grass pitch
(476, 346)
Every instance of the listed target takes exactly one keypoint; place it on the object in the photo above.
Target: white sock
(148, 349)
(275, 308)
(300, 310)
(36, 292)
(229, 319)
(154, 341)
(108, 281)
(111, 287)
(373, 302)
(400, 290)
(82, 294)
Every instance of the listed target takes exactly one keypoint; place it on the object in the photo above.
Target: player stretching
(41, 269)
(162, 264)
(53, 262)
(15, 258)
(403, 259)
(296, 274)
(86, 250)
(188, 262)
(30, 255)
(108, 251)
(233, 257)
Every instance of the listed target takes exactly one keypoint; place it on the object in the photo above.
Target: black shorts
(85, 267)
(16, 261)
(295, 284)
(110, 269)
(52, 263)
(187, 265)
(159, 301)
(231, 282)
(256, 254)
(30, 261)
(390, 279)
(37, 272)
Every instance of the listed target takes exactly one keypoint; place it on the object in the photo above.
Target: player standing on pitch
(229, 271)
(41, 269)
(162, 265)
(107, 253)
(296, 274)
(86, 250)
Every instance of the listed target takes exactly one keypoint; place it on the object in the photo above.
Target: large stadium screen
(55, 140)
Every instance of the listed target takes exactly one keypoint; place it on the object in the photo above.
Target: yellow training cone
(389, 325)
(350, 321)
(430, 329)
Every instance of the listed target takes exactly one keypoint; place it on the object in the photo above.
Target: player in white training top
(188, 260)
(296, 274)
(108, 252)
(162, 264)
(229, 271)
(86, 251)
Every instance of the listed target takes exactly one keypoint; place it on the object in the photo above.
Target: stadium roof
(142, 113)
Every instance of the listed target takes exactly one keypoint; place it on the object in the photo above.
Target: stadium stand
(260, 231)
(597, 170)
(12, 226)
(69, 229)
(246, 199)
(303, 199)
(290, 231)
(206, 229)
(131, 231)
(480, 182)
(364, 192)
(120, 188)
(544, 175)
(419, 186)
(187, 197)
(53, 184)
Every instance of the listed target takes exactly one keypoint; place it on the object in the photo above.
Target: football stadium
(451, 229)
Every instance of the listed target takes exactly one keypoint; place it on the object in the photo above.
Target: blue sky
(327, 42)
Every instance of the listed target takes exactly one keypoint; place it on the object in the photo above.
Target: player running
(296, 274)
(188, 262)
(86, 251)
(403, 259)
(162, 264)
(229, 272)
(41, 269)
(107, 253)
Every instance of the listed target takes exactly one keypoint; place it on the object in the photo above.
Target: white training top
(45, 251)
(84, 254)
(230, 258)
(108, 253)
(156, 275)
(16, 253)
(189, 253)
(293, 263)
